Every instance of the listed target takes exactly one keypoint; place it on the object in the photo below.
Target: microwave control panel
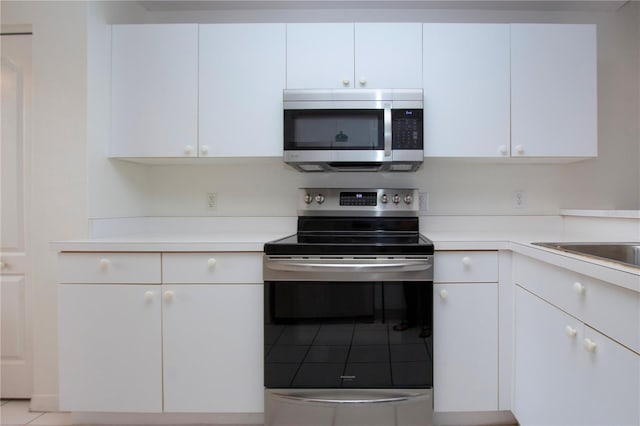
(407, 128)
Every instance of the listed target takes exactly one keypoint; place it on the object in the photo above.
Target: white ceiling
(540, 5)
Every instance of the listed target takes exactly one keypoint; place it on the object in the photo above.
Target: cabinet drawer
(613, 310)
(465, 266)
(109, 268)
(196, 268)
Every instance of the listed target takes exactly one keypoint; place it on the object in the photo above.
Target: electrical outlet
(212, 200)
(423, 201)
(518, 199)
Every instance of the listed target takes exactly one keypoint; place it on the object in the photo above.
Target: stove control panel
(357, 202)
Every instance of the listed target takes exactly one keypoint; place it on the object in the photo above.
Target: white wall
(612, 181)
(58, 193)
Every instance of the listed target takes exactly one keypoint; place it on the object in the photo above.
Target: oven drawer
(465, 266)
(109, 268)
(214, 267)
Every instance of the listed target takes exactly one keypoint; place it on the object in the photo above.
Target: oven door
(348, 322)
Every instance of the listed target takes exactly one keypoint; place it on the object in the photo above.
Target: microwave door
(334, 130)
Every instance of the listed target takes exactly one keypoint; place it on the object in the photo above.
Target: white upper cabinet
(154, 92)
(381, 55)
(553, 90)
(242, 74)
(466, 90)
(519, 90)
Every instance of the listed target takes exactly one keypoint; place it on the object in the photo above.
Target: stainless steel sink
(624, 253)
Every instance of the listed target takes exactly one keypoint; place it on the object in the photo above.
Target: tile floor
(15, 412)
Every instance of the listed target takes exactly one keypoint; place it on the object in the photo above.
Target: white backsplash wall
(267, 187)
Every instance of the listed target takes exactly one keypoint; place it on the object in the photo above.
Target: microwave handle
(387, 130)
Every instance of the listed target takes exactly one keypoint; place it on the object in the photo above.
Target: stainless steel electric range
(348, 313)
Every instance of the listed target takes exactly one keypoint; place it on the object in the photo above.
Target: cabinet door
(213, 353)
(319, 56)
(548, 384)
(466, 90)
(609, 366)
(241, 94)
(465, 365)
(553, 90)
(110, 348)
(154, 90)
(388, 56)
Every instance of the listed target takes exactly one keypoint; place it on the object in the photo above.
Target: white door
(110, 347)
(154, 90)
(549, 388)
(228, 79)
(465, 364)
(15, 325)
(466, 90)
(319, 56)
(554, 90)
(213, 350)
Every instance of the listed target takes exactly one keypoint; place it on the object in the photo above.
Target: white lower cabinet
(166, 347)
(213, 348)
(465, 347)
(465, 334)
(567, 373)
(110, 348)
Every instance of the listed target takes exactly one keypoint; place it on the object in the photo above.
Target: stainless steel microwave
(353, 129)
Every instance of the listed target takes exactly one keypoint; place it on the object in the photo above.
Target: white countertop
(625, 276)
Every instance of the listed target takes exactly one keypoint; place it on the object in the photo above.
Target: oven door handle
(402, 266)
(302, 399)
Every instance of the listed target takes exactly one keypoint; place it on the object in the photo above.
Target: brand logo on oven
(348, 378)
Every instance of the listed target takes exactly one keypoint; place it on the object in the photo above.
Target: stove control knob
(408, 199)
(396, 199)
(384, 198)
(308, 198)
(319, 198)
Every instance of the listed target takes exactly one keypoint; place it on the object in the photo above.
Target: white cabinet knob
(570, 331)
(578, 287)
(466, 261)
(503, 150)
(188, 150)
(104, 263)
(204, 150)
(346, 82)
(444, 294)
(520, 149)
(4, 265)
(212, 262)
(589, 345)
(169, 296)
(148, 296)
(362, 81)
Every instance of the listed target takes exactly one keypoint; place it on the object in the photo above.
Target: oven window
(348, 334)
(334, 129)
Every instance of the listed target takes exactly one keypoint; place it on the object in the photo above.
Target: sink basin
(624, 253)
